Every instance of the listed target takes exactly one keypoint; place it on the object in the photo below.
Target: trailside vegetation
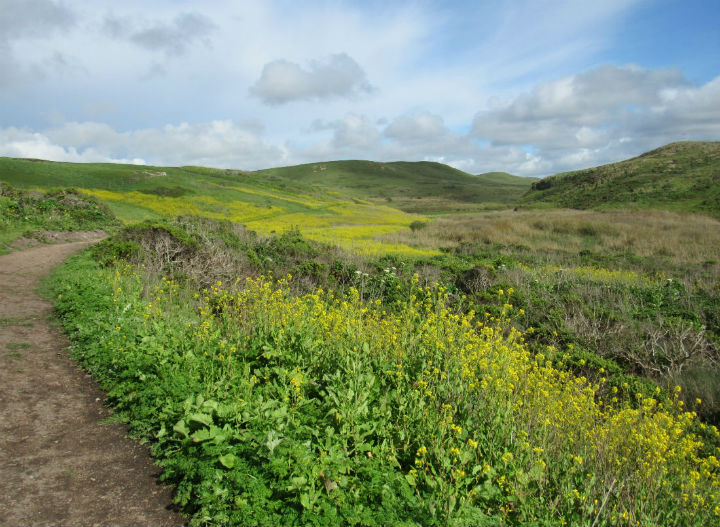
(25, 213)
(297, 385)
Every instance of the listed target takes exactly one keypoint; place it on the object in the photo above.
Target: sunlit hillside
(420, 187)
(136, 193)
(679, 176)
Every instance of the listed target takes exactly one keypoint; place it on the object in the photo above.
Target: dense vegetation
(30, 213)
(360, 392)
(679, 176)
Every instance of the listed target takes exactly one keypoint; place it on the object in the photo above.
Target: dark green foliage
(159, 229)
(108, 252)
(312, 268)
(64, 210)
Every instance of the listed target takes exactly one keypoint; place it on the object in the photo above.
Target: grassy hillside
(346, 202)
(33, 213)
(678, 176)
(419, 187)
(264, 204)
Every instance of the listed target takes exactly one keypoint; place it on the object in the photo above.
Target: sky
(530, 87)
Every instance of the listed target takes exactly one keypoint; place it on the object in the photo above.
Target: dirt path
(59, 464)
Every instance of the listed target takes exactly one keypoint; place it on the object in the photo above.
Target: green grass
(18, 345)
(415, 187)
(679, 177)
(358, 179)
(138, 193)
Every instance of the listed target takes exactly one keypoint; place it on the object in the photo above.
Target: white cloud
(216, 143)
(577, 111)
(421, 127)
(602, 115)
(15, 142)
(338, 75)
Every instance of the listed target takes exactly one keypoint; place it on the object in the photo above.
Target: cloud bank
(599, 116)
(215, 143)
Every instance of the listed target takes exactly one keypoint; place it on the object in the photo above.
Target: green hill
(419, 187)
(351, 203)
(416, 187)
(678, 176)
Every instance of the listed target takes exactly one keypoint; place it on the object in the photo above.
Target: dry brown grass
(684, 237)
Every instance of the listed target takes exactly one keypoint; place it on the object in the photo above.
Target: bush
(109, 252)
(418, 225)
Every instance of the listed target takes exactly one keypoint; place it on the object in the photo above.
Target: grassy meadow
(300, 350)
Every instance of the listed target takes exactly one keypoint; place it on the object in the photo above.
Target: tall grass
(683, 237)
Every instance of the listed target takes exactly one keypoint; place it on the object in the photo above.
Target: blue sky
(530, 87)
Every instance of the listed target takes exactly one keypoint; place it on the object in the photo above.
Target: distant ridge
(403, 182)
(678, 176)
(137, 192)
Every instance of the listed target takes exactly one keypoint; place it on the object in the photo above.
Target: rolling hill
(346, 202)
(678, 176)
(419, 187)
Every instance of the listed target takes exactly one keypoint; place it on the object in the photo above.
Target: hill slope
(345, 202)
(678, 176)
(420, 187)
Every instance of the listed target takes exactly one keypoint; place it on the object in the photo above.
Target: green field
(414, 187)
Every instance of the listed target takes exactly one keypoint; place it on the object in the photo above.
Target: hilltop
(409, 186)
(678, 176)
(419, 187)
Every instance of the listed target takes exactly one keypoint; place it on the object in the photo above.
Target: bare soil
(60, 464)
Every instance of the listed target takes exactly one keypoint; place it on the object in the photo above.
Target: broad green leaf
(210, 404)
(202, 435)
(410, 478)
(228, 460)
(162, 432)
(203, 419)
(297, 482)
(273, 440)
(181, 428)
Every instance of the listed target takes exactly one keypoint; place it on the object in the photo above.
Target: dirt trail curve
(59, 465)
